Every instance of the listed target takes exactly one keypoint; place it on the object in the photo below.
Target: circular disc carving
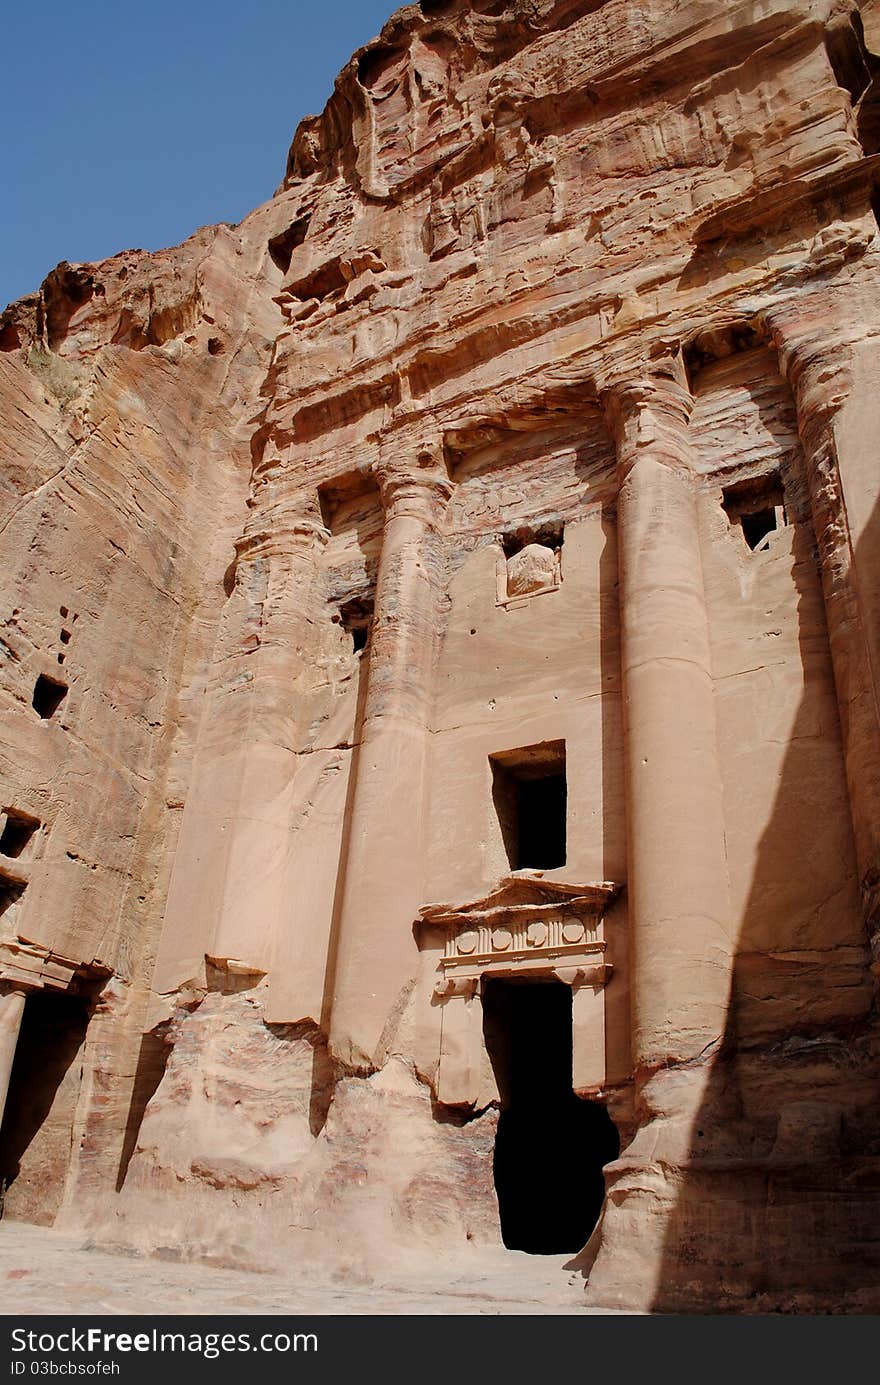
(573, 931)
(501, 940)
(536, 935)
(467, 942)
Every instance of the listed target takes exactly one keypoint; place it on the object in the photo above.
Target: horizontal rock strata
(439, 741)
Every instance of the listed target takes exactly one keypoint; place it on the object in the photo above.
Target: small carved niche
(356, 617)
(282, 246)
(757, 506)
(48, 696)
(18, 835)
(343, 499)
(11, 892)
(531, 563)
(66, 634)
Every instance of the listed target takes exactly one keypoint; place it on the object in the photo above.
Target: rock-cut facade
(439, 649)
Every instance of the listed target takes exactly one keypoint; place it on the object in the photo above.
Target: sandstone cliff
(526, 435)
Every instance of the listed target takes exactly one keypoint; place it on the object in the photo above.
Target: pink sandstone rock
(439, 742)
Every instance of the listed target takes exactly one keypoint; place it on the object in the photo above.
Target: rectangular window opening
(757, 506)
(350, 501)
(530, 793)
(550, 535)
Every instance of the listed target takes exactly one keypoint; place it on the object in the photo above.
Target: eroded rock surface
(249, 1153)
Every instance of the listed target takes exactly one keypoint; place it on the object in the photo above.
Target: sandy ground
(47, 1271)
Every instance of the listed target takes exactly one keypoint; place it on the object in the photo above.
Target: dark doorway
(551, 1147)
(37, 1130)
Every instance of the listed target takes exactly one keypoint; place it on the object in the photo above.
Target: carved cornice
(27, 966)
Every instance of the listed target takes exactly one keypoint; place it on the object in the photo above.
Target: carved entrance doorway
(36, 1131)
(551, 1146)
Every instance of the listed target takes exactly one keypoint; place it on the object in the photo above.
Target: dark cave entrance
(38, 1121)
(551, 1146)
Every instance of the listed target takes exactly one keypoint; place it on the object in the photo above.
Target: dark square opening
(357, 617)
(757, 505)
(17, 833)
(530, 793)
(758, 525)
(48, 696)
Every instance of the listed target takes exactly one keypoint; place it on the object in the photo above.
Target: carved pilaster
(460, 1040)
(11, 1012)
(820, 373)
(421, 491)
(375, 957)
(678, 884)
(228, 887)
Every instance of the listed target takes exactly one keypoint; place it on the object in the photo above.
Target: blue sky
(131, 124)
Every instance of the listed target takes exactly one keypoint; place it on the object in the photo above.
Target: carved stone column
(677, 879)
(228, 890)
(677, 868)
(286, 543)
(375, 955)
(838, 415)
(11, 1012)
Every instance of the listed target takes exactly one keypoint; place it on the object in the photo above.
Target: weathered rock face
(250, 1153)
(438, 673)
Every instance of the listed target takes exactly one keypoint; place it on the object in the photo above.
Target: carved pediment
(526, 889)
(525, 924)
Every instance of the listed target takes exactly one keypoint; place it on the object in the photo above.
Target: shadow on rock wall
(777, 1206)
